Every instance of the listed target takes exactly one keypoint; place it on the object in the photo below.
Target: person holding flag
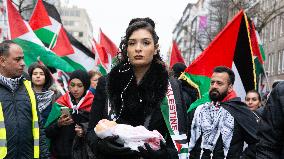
(138, 91)
(219, 128)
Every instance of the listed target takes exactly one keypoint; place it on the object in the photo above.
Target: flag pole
(53, 38)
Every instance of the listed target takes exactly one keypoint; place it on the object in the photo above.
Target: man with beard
(219, 128)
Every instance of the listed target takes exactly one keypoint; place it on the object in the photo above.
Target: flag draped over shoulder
(21, 33)
(175, 55)
(47, 25)
(65, 101)
(232, 48)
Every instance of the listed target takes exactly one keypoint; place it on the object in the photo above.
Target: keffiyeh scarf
(11, 83)
(44, 99)
(211, 121)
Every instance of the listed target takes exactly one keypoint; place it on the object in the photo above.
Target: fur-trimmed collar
(139, 100)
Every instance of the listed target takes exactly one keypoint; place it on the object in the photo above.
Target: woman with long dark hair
(139, 91)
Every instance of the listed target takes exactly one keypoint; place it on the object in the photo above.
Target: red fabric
(39, 18)
(175, 55)
(109, 46)
(86, 105)
(63, 46)
(229, 96)
(16, 24)
(220, 52)
(102, 55)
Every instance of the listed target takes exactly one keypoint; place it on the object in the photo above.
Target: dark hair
(222, 69)
(5, 46)
(254, 91)
(178, 68)
(48, 77)
(135, 24)
(83, 77)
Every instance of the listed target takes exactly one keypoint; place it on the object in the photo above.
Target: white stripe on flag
(179, 137)
(81, 58)
(238, 85)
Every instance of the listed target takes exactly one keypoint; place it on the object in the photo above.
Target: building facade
(77, 22)
(198, 26)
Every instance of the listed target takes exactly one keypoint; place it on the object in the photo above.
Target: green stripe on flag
(102, 69)
(53, 115)
(165, 112)
(262, 52)
(32, 51)
(75, 65)
(46, 36)
(201, 82)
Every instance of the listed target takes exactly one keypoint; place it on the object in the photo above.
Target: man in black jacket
(271, 131)
(219, 128)
(21, 134)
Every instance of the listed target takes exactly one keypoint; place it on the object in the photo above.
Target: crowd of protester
(37, 121)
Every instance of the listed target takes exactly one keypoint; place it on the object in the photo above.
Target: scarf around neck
(85, 102)
(210, 120)
(11, 83)
(44, 99)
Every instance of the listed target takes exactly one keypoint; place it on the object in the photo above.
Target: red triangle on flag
(16, 24)
(175, 55)
(220, 51)
(109, 46)
(39, 18)
(63, 46)
(103, 56)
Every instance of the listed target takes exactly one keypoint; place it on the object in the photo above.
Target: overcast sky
(113, 16)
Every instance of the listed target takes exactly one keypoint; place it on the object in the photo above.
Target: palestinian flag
(21, 33)
(103, 59)
(65, 101)
(175, 55)
(46, 23)
(109, 46)
(231, 48)
(50, 31)
(258, 53)
(175, 122)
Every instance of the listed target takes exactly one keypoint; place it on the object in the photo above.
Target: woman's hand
(79, 130)
(65, 120)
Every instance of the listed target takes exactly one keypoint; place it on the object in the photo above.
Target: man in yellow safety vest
(21, 134)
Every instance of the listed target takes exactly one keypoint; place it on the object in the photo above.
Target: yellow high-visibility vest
(3, 140)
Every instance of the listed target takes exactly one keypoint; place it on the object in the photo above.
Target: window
(271, 64)
(80, 34)
(282, 24)
(279, 68)
(282, 61)
(75, 33)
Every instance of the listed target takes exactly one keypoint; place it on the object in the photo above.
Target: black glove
(109, 146)
(162, 153)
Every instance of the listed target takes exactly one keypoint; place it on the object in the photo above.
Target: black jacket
(271, 132)
(61, 138)
(140, 101)
(18, 123)
(245, 129)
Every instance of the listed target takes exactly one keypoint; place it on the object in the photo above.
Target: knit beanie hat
(82, 76)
